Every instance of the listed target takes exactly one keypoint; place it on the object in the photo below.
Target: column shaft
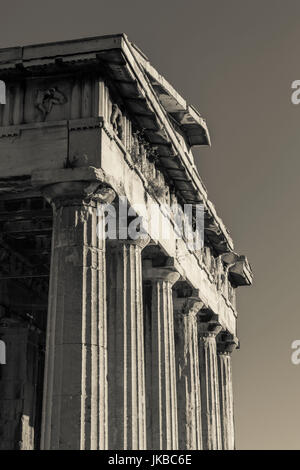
(75, 385)
(226, 393)
(210, 406)
(160, 361)
(127, 413)
(20, 386)
(188, 380)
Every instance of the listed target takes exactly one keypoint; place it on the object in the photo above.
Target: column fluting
(162, 426)
(225, 347)
(75, 383)
(187, 369)
(208, 370)
(126, 369)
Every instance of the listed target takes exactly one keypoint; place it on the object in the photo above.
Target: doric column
(210, 406)
(126, 370)
(20, 385)
(162, 432)
(225, 345)
(75, 385)
(187, 368)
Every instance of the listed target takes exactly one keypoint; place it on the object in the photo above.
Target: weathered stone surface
(126, 367)
(225, 345)
(19, 386)
(162, 425)
(75, 388)
(208, 367)
(187, 368)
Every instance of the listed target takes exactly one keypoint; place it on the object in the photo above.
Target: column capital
(226, 343)
(208, 329)
(187, 305)
(77, 184)
(164, 273)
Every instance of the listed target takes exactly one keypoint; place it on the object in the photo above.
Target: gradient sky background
(235, 61)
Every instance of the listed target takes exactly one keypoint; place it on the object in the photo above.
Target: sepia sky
(235, 62)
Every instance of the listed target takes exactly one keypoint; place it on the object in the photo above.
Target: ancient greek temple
(108, 343)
